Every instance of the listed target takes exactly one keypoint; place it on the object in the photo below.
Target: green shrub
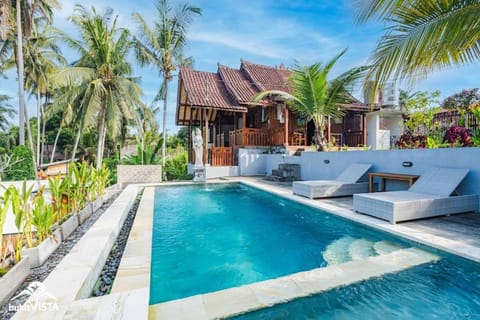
(111, 163)
(23, 169)
(176, 167)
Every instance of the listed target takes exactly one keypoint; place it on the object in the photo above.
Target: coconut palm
(162, 46)
(12, 32)
(6, 111)
(422, 36)
(315, 98)
(42, 57)
(101, 89)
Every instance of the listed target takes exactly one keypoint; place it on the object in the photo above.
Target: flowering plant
(458, 134)
(411, 141)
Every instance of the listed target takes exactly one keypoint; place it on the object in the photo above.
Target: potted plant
(47, 241)
(13, 268)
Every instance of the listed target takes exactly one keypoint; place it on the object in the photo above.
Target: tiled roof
(267, 78)
(238, 84)
(206, 89)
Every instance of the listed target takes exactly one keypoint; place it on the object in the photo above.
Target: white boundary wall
(314, 166)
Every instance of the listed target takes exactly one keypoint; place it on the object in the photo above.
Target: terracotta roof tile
(267, 78)
(238, 84)
(206, 89)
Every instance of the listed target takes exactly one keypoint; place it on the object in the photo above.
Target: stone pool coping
(130, 294)
(74, 277)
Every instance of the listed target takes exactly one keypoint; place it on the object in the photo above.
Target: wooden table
(390, 176)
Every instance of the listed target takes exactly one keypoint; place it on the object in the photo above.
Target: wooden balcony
(250, 137)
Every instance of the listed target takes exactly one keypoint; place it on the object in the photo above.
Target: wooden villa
(220, 104)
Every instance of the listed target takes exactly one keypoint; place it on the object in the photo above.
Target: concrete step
(337, 251)
(385, 247)
(361, 249)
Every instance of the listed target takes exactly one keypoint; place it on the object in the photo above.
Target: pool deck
(458, 234)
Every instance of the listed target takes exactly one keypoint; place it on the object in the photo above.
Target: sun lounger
(429, 196)
(346, 184)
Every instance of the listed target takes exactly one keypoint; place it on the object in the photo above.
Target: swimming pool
(211, 237)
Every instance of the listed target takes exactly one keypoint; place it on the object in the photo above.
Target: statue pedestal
(199, 174)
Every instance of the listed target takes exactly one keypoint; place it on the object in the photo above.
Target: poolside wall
(139, 173)
(313, 164)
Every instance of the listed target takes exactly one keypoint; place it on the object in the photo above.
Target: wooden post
(244, 126)
(364, 129)
(286, 125)
(190, 153)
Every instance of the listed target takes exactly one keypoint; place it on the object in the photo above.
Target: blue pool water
(212, 237)
(208, 238)
(448, 289)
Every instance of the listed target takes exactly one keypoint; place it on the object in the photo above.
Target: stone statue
(197, 142)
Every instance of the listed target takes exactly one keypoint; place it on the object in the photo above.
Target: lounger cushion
(439, 181)
(353, 172)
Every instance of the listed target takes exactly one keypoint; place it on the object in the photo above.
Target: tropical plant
(4, 206)
(43, 217)
(102, 179)
(101, 88)
(458, 135)
(111, 164)
(422, 36)
(12, 33)
(23, 215)
(22, 167)
(420, 109)
(81, 184)
(411, 141)
(162, 46)
(176, 167)
(42, 57)
(462, 100)
(59, 188)
(315, 98)
(6, 111)
(147, 150)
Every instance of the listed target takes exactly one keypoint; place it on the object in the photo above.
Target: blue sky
(268, 32)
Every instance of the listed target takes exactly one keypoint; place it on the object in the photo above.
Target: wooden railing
(222, 156)
(249, 137)
(351, 139)
(354, 138)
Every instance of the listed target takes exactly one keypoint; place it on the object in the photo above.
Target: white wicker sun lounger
(430, 196)
(346, 184)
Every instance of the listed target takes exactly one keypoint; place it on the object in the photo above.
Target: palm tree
(162, 46)
(315, 98)
(422, 36)
(42, 57)
(6, 111)
(25, 11)
(100, 86)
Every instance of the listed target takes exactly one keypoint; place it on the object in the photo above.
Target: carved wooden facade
(221, 105)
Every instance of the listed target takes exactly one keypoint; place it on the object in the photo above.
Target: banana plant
(59, 189)
(5, 204)
(102, 179)
(43, 217)
(21, 209)
(81, 184)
